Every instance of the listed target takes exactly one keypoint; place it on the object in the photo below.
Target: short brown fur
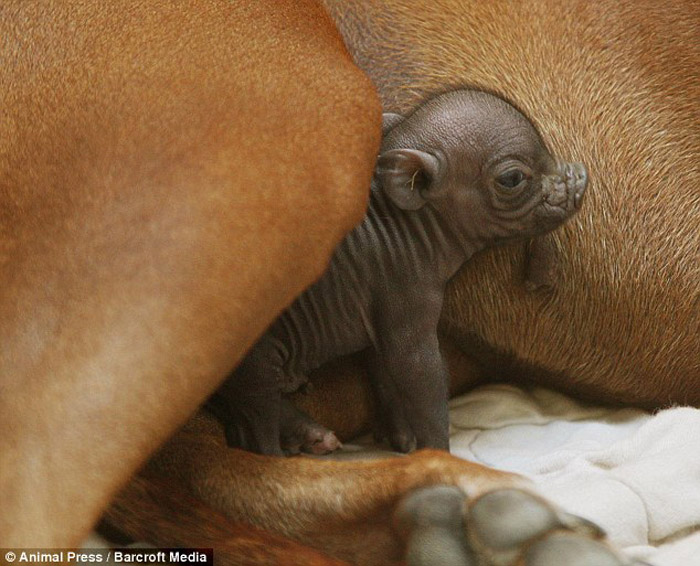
(152, 189)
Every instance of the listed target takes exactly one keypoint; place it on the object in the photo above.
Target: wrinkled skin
(464, 172)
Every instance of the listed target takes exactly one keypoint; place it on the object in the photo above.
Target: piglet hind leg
(249, 404)
(300, 433)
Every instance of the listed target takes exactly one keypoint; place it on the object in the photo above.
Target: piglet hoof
(309, 437)
(321, 442)
(400, 438)
(238, 436)
(403, 442)
(505, 527)
(300, 433)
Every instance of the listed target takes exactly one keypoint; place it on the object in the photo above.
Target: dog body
(145, 243)
(141, 213)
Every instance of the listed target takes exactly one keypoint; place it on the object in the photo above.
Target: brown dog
(159, 166)
(126, 270)
(624, 278)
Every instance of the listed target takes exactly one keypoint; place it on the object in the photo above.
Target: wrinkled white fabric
(636, 474)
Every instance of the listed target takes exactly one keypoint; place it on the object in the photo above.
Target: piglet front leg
(410, 380)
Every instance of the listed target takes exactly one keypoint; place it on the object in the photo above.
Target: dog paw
(504, 527)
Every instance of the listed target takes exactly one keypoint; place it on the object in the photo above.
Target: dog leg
(167, 185)
(381, 511)
(154, 510)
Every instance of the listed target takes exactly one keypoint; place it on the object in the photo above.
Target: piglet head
(480, 169)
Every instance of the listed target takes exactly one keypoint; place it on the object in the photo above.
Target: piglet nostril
(569, 173)
(581, 174)
(580, 185)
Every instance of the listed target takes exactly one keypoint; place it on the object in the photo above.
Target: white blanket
(635, 474)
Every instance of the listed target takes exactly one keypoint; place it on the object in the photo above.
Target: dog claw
(571, 549)
(581, 525)
(503, 527)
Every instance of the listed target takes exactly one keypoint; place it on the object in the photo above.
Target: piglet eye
(511, 178)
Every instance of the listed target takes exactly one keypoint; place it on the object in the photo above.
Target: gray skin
(464, 172)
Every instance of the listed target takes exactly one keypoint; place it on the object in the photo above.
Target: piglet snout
(565, 190)
(577, 181)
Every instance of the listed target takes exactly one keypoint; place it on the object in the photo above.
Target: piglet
(464, 172)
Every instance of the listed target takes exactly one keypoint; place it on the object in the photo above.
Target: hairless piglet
(464, 172)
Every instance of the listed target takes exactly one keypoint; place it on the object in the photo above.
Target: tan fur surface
(171, 176)
(169, 513)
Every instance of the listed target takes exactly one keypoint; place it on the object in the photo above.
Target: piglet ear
(406, 176)
(390, 121)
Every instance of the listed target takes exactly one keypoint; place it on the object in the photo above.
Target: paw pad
(504, 527)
